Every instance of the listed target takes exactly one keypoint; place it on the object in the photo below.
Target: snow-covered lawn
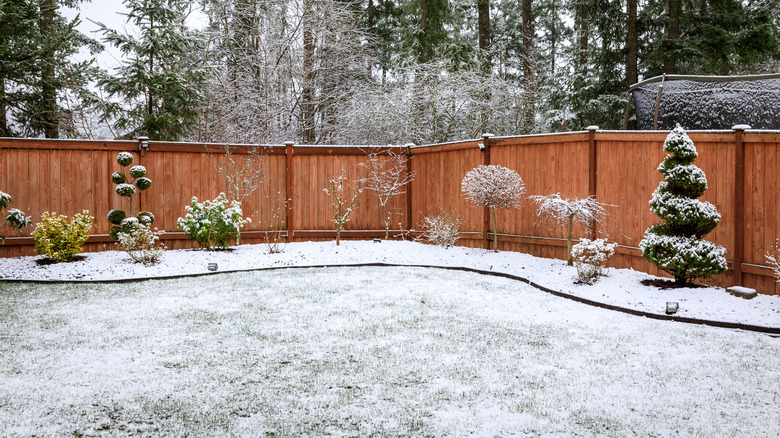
(355, 351)
(621, 288)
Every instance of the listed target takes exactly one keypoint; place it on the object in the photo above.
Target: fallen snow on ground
(621, 287)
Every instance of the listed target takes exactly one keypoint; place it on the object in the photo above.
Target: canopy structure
(706, 102)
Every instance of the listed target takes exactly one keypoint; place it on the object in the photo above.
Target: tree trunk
(483, 24)
(49, 109)
(569, 260)
(495, 230)
(528, 67)
(582, 20)
(423, 52)
(307, 94)
(674, 9)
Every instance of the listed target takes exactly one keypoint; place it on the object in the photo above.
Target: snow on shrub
(141, 244)
(773, 258)
(566, 211)
(591, 257)
(494, 187)
(676, 245)
(442, 229)
(59, 240)
(14, 220)
(127, 189)
(213, 224)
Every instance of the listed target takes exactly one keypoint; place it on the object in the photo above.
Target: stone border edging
(657, 316)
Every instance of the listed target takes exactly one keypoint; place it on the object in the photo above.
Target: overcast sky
(109, 12)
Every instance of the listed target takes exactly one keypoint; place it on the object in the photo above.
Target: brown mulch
(47, 261)
(668, 284)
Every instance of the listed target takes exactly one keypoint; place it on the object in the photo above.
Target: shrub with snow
(773, 258)
(567, 211)
(494, 187)
(141, 244)
(213, 224)
(14, 220)
(442, 229)
(591, 257)
(676, 245)
(60, 240)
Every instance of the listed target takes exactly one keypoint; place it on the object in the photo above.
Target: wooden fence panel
(68, 176)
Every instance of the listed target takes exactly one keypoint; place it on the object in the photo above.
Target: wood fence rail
(618, 167)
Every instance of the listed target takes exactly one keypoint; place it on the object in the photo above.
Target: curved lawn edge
(657, 316)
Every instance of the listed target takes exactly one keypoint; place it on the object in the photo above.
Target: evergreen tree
(676, 245)
(159, 83)
(36, 69)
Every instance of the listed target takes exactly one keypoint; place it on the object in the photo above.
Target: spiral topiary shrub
(60, 240)
(676, 245)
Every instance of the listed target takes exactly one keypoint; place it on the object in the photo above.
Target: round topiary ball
(118, 178)
(116, 216)
(143, 183)
(146, 218)
(125, 190)
(137, 171)
(124, 158)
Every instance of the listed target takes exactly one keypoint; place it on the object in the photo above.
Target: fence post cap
(408, 145)
(740, 127)
(289, 143)
(488, 135)
(592, 128)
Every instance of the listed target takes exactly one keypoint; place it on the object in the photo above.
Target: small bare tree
(494, 187)
(275, 234)
(243, 173)
(388, 176)
(567, 211)
(342, 203)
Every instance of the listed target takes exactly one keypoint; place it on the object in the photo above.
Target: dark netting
(709, 102)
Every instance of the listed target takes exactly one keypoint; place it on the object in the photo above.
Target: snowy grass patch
(361, 351)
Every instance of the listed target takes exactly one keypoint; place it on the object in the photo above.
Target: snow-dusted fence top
(618, 167)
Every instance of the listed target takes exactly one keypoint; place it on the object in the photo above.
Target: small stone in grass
(742, 292)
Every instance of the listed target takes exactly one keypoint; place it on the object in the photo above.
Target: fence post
(409, 186)
(289, 190)
(739, 201)
(484, 147)
(592, 169)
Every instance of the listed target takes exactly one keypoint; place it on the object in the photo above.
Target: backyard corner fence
(618, 167)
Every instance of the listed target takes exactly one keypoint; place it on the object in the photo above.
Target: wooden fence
(619, 167)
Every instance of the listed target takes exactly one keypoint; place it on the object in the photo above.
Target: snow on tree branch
(567, 211)
(494, 187)
(388, 176)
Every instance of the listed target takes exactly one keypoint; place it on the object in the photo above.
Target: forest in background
(363, 72)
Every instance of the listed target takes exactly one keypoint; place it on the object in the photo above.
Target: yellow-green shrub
(60, 240)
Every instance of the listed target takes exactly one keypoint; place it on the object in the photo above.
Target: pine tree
(676, 245)
(159, 79)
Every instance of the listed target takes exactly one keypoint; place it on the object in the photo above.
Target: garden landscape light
(212, 266)
(671, 308)
(143, 143)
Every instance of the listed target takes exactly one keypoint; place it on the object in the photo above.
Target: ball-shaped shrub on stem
(124, 159)
(143, 183)
(494, 187)
(116, 216)
(125, 190)
(137, 171)
(118, 178)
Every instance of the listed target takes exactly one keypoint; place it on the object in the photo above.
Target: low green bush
(58, 239)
